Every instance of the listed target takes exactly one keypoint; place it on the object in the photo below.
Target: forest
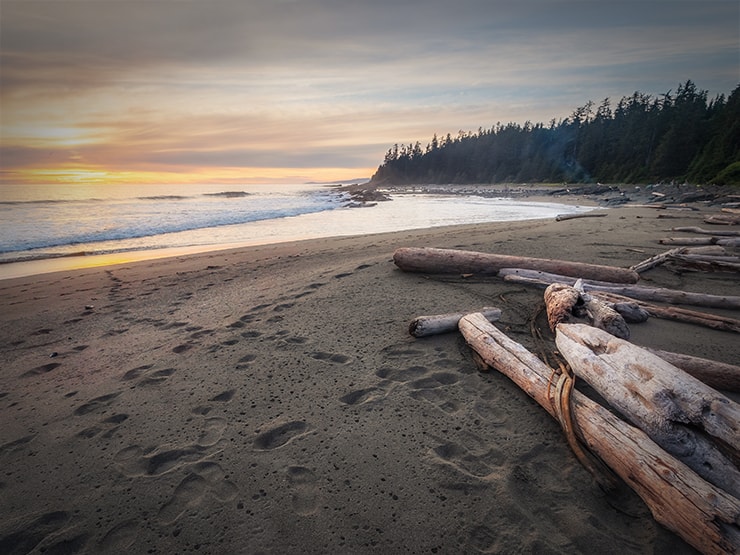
(679, 136)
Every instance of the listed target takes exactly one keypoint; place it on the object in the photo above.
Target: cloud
(164, 83)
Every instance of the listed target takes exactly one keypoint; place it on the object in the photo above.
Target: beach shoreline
(267, 232)
(269, 399)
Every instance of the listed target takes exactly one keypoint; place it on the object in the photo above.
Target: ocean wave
(164, 197)
(228, 194)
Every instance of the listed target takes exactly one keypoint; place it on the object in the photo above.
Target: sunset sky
(232, 91)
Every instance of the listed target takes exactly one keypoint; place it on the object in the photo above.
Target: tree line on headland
(682, 137)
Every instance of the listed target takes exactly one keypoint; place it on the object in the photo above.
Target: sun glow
(209, 175)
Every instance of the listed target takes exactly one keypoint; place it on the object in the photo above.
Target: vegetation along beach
(355, 278)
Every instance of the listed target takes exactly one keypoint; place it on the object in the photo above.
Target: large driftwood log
(446, 261)
(640, 292)
(688, 241)
(679, 412)
(718, 375)
(729, 264)
(722, 219)
(702, 231)
(706, 319)
(703, 515)
(422, 326)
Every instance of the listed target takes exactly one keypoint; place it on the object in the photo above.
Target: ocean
(42, 222)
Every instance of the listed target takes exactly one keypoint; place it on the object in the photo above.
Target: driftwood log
(729, 264)
(703, 515)
(656, 260)
(563, 302)
(718, 375)
(422, 326)
(563, 217)
(713, 240)
(677, 314)
(446, 261)
(680, 413)
(639, 292)
(702, 231)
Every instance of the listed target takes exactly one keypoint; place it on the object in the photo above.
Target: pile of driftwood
(677, 443)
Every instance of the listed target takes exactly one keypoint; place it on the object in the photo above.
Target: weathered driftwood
(718, 375)
(688, 241)
(563, 217)
(422, 326)
(702, 231)
(640, 292)
(562, 302)
(445, 261)
(722, 219)
(728, 264)
(654, 261)
(703, 515)
(632, 313)
(713, 240)
(706, 319)
(680, 413)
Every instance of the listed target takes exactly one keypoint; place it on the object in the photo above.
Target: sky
(246, 91)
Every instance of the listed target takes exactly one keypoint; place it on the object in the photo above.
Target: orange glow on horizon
(99, 176)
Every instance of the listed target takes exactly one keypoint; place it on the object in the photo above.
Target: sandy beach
(269, 399)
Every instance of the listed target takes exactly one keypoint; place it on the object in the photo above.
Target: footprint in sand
(305, 498)
(362, 396)
(16, 445)
(224, 397)
(402, 374)
(29, 534)
(40, 370)
(208, 478)
(134, 461)
(280, 435)
(157, 377)
(212, 432)
(330, 357)
(108, 427)
(119, 538)
(188, 494)
(467, 462)
(96, 404)
(218, 486)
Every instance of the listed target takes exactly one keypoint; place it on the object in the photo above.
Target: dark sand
(270, 400)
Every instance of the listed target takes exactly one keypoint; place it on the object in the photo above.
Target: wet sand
(270, 400)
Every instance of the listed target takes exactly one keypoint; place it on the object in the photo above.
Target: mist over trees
(677, 136)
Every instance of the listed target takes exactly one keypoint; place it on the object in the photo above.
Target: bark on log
(702, 231)
(563, 301)
(441, 261)
(680, 413)
(422, 326)
(703, 515)
(706, 319)
(560, 301)
(718, 375)
(563, 217)
(638, 292)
